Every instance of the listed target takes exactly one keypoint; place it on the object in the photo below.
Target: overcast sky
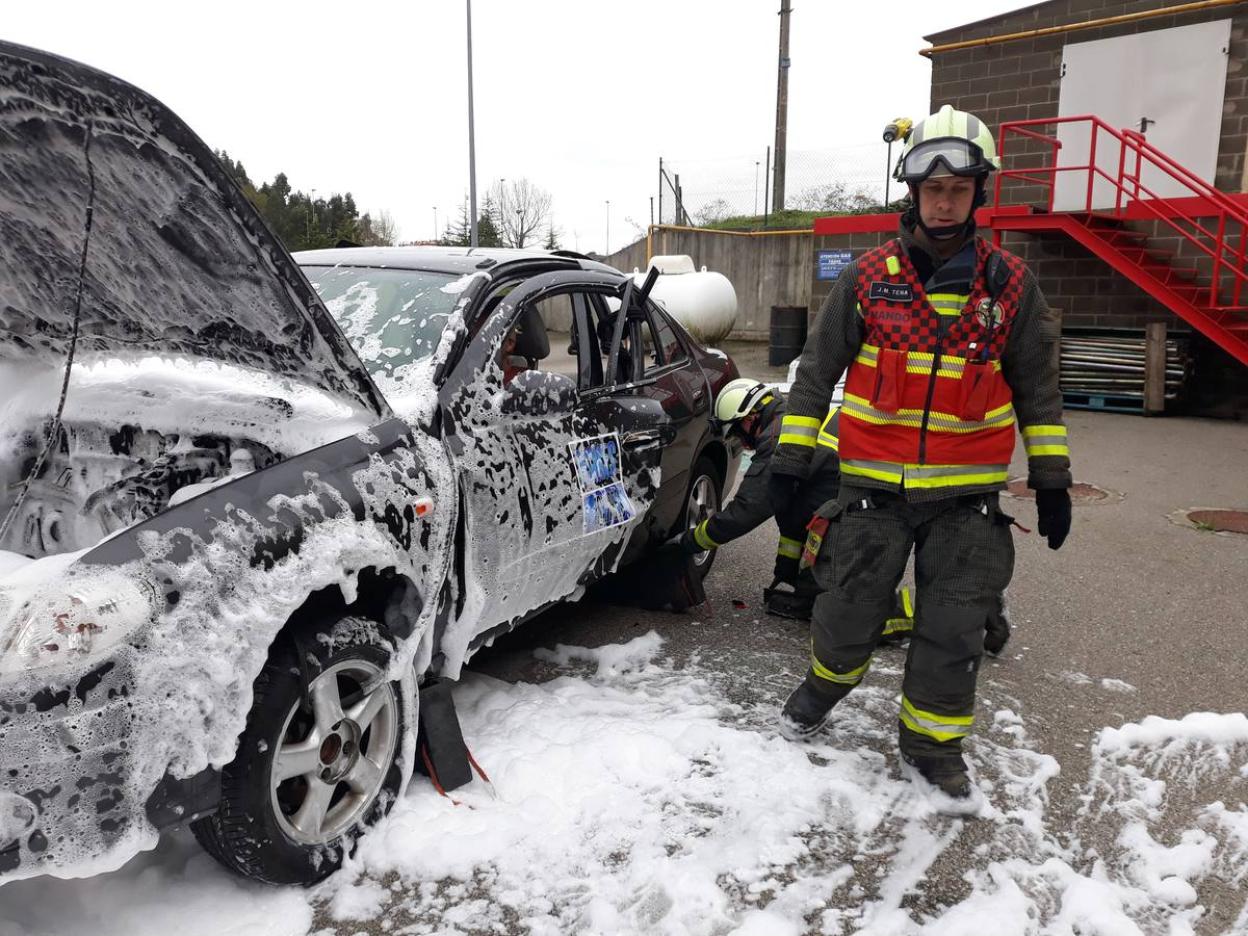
(582, 97)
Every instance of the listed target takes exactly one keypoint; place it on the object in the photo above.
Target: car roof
(440, 259)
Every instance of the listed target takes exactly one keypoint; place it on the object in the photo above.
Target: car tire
(309, 778)
(704, 497)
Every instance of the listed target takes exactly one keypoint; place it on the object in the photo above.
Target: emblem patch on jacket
(892, 292)
(989, 313)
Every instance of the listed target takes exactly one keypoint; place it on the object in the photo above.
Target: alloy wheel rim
(330, 764)
(702, 504)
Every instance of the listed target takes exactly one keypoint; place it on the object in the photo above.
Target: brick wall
(858, 243)
(1020, 80)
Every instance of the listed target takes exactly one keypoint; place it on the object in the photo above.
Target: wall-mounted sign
(831, 262)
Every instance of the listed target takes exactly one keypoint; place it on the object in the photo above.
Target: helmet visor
(959, 157)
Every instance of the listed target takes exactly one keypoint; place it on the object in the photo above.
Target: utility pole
(472, 143)
(782, 104)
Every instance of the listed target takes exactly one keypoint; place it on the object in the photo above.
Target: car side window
(665, 338)
(558, 333)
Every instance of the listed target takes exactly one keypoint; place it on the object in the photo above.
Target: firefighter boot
(797, 604)
(807, 709)
(947, 774)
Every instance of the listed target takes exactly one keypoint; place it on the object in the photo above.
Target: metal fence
(705, 190)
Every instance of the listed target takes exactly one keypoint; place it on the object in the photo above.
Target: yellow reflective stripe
(858, 408)
(1044, 431)
(898, 626)
(788, 438)
(826, 436)
(920, 362)
(789, 548)
(702, 538)
(948, 303)
(804, 422)
(799, 430)
(974, 474)
(893, 265)
(1045, 440)
(852, 678)
(906, 604)
(880, 471)
(927, 476)
(939, 727)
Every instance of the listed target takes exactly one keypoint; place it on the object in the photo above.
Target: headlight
(75, 619)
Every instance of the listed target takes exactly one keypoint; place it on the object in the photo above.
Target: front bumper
(65, 766)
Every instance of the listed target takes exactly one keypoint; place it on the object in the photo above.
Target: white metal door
(1174, 79)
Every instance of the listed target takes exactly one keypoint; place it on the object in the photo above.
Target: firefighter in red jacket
(950, 349)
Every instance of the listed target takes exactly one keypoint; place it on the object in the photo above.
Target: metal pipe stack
(1095, 365)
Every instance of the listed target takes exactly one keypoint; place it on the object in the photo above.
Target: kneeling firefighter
(753, 412)
(949, 346)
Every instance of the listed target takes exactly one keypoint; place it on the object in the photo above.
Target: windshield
(393, 318)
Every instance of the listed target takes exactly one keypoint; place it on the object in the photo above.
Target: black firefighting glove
(689, 544)
(782, 491)
(1053, 514)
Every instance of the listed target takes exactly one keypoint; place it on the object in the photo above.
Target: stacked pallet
(1110, 372)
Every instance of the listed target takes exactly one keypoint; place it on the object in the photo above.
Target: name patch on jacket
(892, 292)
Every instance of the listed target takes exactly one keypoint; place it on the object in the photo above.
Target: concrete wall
(765, 269)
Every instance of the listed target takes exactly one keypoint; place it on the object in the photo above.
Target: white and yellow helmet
(949, 142)
(738, 399)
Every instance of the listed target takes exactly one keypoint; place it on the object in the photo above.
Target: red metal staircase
(1205, 289)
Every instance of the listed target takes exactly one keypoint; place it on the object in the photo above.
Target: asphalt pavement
(1140, 613)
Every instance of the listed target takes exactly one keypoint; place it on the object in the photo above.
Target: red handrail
(1126, 137)
(1130, 187)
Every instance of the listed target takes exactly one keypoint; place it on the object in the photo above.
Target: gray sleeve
(1031, 365)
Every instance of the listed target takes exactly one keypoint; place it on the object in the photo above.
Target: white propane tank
(703, 302)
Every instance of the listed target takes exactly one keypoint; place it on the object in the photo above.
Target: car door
(558, 464)
(682, 390)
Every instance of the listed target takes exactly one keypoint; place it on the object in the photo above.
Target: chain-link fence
(702, 191)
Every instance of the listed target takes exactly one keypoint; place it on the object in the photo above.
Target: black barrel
(788, 334)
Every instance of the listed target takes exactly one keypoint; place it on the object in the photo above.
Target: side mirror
(539, 393)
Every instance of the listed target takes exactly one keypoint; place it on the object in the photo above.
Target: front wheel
(311, 774)
(703, 500)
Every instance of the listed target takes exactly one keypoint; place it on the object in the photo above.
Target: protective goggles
(958, 156)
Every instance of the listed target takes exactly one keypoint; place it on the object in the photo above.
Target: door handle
(643, 437)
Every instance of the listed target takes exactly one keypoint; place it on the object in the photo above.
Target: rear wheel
(703, 500)
(311, 776)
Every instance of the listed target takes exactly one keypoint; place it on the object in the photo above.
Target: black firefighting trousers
(964, 557)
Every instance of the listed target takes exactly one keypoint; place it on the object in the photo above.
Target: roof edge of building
(932, 37)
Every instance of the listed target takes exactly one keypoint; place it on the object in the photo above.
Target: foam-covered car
(241, 522)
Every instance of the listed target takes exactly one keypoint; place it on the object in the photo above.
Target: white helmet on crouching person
(737, 400)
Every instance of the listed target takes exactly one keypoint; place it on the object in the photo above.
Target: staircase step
(1145, 257)
(1170, 275)
(1126, 238)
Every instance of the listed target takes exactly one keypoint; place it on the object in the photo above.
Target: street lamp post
(608, 250)
(435, 222)
(472, 145)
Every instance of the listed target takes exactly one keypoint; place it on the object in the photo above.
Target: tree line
(513, 214)
(306, 223)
